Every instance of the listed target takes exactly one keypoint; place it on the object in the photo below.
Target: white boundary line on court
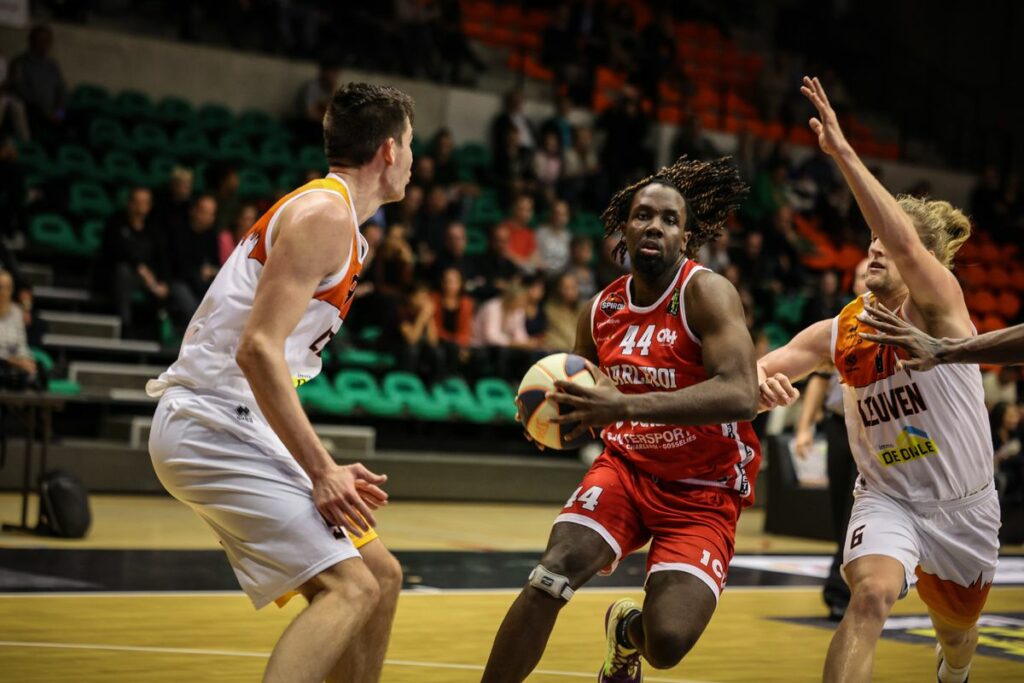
(408, 592)
(264, 655)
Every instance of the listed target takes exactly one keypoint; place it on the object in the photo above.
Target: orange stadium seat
(991, 323)
(982, 301)
(969, 252)
(990, 253)
(972, 276)
(1017, 278)
(998, 277)
(1008, 305)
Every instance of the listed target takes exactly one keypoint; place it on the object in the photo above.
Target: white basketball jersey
(916, 436)
(207, 357)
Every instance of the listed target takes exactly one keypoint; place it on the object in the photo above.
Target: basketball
(536, 410)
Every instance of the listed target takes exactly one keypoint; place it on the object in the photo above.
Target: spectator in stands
(34, 326)
(406, 211)
(715, 254)
(581, 175)
(430, 226)
(419, 351)
(522, 241)
(494, 271)
(38, 80)
(313, 96)
(625, 153)
(417, 40)
(171, 205)
(453, 317)
(513, 168)
(453, 45)
(442, 153)
(553, 240)
(12, 194)
(562, 312)
(17, 366)
(559, 123)
(1000, 385)
(194, 259)
(536, 317)
(511, 117)
(12, 107)
(826, 301)
(452, 254)
(547, 166)
(227, 240)
(1004, 419)
(499, 332)
(767, 194)
(581, 256)
(133, 256)
(394, 262)
(424, 173)
(692, 141)
(222, 182)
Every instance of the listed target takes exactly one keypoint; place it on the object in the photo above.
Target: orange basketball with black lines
(536, 410)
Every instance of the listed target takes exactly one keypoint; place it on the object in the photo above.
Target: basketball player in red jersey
(675, 393)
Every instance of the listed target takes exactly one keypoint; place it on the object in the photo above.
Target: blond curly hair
(942, 227)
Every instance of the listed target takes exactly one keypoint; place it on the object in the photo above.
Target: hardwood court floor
(439, 638)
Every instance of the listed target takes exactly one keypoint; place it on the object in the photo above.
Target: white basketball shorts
(952, 547)
(220, 458)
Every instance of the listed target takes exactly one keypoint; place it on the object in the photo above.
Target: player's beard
(651, 267)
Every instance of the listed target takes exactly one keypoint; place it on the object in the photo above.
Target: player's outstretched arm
(310, 242)
(934, 291)
(777, 370)
(1001, 347)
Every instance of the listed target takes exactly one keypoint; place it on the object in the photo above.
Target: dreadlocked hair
(712, 190)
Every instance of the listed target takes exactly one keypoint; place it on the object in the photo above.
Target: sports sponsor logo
(659, 378)
(911, 444)
(665, 439)
(243, 414)
(673, 303)
(612, 304)
(666, 336)
(891, 405)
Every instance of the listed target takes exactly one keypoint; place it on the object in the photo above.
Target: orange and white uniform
(211, 445)
(923, 447)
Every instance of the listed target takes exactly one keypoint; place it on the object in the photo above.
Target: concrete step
(94, 376)
(83, 324)
(66, 296)
(36, 274)
(349, 441)
(75, 341)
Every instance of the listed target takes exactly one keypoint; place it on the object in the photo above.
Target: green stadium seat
(254, 183)
(34, 156)
(233, 146)
(122, 168)
(351, 356)
(159, 170)
(456, 396)
(92, 236)
(191, 142)
(587, 224)
(476, 242)
(408, 391)
(77, 161)
(134, 105)
(254, 122)
(214, 117)
(473, 155)
(89, 199)
(106, 133)
(320, 395)
(89, 99)
(150, 137)
(275, 153)
(311, 157)
(52, 231)
(43, 359)
(361, 388)
(496, 396)
(287, 180)
(65, 387)
(175, 110)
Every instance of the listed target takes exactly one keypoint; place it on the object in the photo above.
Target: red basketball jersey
(651, 348)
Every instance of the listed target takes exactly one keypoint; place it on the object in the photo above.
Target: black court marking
(1000, 634)
(57, 570)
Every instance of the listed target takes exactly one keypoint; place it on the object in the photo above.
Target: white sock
(948, 674)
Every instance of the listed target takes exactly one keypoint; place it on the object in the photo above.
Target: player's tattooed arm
(935, 294)
(1002, 347)
(807, 352)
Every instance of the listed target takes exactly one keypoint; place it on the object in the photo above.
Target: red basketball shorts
(692, 529)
